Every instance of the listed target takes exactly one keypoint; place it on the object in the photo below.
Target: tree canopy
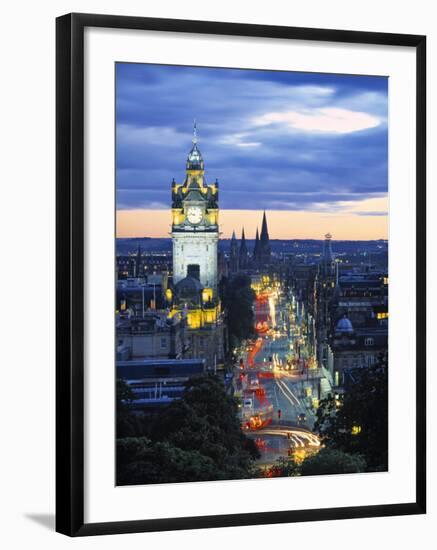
(358, 422)
(332, 461)
(141, 461)
(326, 461)
(195, 438)
(238, 298)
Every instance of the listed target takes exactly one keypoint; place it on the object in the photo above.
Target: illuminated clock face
(194, 214)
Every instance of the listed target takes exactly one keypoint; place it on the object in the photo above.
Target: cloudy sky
(310, 149)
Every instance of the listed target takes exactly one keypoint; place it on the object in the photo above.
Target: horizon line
(270, 239)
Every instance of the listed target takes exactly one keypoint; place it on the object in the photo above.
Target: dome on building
(189, 289)
(344, 325)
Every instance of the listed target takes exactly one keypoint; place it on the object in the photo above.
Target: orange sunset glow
(363, 220)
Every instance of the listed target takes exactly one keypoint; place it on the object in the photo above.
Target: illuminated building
(363, 296)
(195, 237)
(195, 230)
(327, 264)
(351, 313)
(140, 295)
(352, 347)
(140, 264)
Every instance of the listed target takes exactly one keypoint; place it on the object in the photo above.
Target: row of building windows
(358, 362)
(163, 343)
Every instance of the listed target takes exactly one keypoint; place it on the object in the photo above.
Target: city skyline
(310, 149)
(249, 358)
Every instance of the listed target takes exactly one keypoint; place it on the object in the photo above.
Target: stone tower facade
(195, 230)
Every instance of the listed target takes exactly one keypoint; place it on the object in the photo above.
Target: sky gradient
(310, 149)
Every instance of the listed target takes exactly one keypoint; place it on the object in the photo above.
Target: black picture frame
(70, 273)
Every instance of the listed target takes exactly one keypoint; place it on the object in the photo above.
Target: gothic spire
(243, 257)
(264, 230)
(233, 257)
(264, 243)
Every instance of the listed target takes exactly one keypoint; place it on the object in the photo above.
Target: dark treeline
(196, 438)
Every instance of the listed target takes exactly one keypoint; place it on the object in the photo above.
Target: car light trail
(272, 311)
(287, 392)
(298, 438)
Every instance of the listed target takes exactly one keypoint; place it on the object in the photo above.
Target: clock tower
(195, 230)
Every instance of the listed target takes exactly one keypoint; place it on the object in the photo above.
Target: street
(276, 382)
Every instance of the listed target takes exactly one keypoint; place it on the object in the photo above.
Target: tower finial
(195, 132)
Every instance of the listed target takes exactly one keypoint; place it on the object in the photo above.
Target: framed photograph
(240, 274)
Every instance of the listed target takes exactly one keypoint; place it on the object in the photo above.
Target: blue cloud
(274, 165)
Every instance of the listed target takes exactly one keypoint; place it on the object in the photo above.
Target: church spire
(233, 257)
(243, 255)
(264, 230)
(264, 243)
